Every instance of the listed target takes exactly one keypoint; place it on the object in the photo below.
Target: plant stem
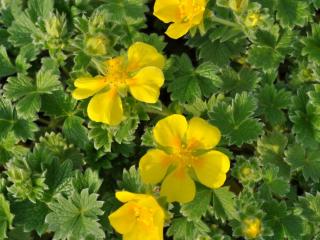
(225, 22)
(155, 111)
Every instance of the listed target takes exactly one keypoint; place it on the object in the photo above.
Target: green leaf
(6, 217)
(233, 82)
(125, 132)
(185, 86)
(75, 132)
(224, 204)
(27, 92)
(305, 118)
(6, 117)
(89, 179)
(31, 216)
(59, 176)
(271, 151)
(291, 13)
(308, 161)
(312, 45)
(264, 57)
(277, 185)
(310, 205)
(23, 31)
(131, 181)
(236, 121)
(22, 128)
(271, 102)
(100, 135)
(283, 222)
(58, 104)
(47, 81)
(40, 8)
(125, 11)
(195, 209)
(6, 66)
(9, 148)
(76, 217)
(182, 229)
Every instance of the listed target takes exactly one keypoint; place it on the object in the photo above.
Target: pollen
(116, 72)
(187, 12)
(143, 215)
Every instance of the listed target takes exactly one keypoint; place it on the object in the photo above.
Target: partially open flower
(252, 19)
(185, 153)
(140, 71)
(183, 14)
(140, 218)
(251, 227)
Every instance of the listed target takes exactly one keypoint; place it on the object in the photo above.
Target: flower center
(144, 215)
(188, 12)
(252, 227)
(184, 155)
(116, 72)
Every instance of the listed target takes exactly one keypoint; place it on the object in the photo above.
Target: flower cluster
(184, 152)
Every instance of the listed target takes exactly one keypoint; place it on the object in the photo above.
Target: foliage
(251, 69)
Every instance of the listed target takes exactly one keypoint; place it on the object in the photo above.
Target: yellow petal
(153, 166)
(178, 187)
(177, 30)
(123, 219)
(124, 196)
(167, 10)
(211, 168)
(145, 85)
(86, 87)
(143, 232)
(80, 93)
(202, 135)
(142, 55)
(106, 107)
(170, 131)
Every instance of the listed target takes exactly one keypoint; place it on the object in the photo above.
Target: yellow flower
(140, 218)
(252, 227)
(140, 71)
(185, 153)
(183, 14)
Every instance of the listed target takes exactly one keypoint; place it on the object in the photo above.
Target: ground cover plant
(166, 119)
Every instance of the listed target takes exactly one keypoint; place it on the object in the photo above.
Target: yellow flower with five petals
(140, 218)
(184, 154)
(183, 14)
(140, 71)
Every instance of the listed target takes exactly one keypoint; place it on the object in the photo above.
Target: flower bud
(252, 19)
(238, 5)
(97, 45)
(55, 25)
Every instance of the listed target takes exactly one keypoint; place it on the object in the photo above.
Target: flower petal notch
(140, 218)
(139, 72)
(182, 14)
(185, 154)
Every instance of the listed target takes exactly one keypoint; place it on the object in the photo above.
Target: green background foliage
(258, 84)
